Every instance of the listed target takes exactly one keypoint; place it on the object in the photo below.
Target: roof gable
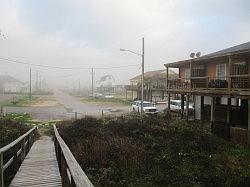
(154, 74)
(237, 48)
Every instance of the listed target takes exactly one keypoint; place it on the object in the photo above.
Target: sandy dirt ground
(45, 101)
(61, 106)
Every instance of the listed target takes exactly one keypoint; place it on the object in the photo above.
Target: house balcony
(233, 84)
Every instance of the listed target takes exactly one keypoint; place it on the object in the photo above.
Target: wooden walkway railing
(15, 152)
(71, 172)
(40, 167)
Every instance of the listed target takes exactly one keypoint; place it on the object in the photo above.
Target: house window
(221, 71)
(187, 74)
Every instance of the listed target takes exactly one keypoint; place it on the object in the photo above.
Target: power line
(62, 68)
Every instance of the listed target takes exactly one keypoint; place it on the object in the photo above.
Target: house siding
(182, 72)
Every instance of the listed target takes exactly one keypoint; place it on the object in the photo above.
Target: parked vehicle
(175, 105)
(148, 107)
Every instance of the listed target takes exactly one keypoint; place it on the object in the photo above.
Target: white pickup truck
(148, 107)
(175, 105)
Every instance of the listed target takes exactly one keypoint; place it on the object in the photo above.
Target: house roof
(154, 74)
(8, 79)
(235, 49)
(238, 49)
(107, 77)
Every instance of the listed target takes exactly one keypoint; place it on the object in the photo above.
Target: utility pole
(142, 76)
(79, 85)
(30, 85)
(36, 80)
(40, 82)
(142, 73)
(92, 71)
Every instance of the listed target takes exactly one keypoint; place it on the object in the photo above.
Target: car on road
(148, 107)
(175, 105)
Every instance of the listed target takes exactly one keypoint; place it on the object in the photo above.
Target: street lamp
(142, 74)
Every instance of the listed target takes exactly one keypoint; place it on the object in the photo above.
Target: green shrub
(10, 130)
(135, 150)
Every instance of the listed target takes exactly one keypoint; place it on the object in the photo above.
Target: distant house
(9, 84)
(107, 85)
(152, 76)
(154, 84)
(106, 81)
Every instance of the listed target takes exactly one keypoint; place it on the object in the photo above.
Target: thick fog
(88, 34)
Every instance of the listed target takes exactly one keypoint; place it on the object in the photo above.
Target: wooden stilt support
(187, 107)
(212, 119)
(169, 102)
(228, 111)
(182, 105)
(202, 108)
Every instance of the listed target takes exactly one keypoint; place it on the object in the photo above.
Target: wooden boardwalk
(40, 167)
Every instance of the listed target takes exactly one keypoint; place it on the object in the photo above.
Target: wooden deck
(40, 167)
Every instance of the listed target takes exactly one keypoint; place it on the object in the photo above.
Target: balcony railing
(232, 82)
(229, 83)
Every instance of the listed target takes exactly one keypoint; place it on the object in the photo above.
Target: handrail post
(59, 158)
(23, 150)
(33, 136)
(1, 171)
(28, 143)
(15, 158)
(63, 171)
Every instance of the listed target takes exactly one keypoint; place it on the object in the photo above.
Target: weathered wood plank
(40, 166)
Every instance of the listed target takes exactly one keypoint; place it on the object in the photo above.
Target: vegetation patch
(20, 101)
(44, 128)
(154, 151)
(20, 117)
(11, 130)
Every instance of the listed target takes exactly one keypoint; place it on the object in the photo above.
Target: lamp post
(142, 74)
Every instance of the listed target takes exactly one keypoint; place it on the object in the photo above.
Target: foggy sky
(89, 33)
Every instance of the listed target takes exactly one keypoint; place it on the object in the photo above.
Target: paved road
(73, 104)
